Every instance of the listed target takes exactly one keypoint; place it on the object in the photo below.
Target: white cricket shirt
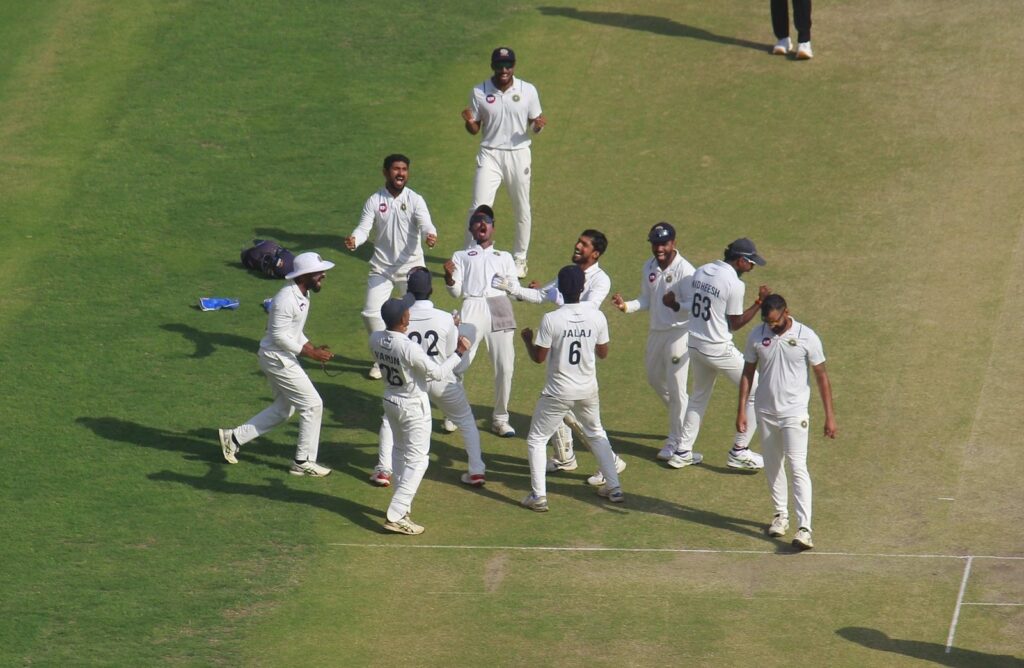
(474, 269)
(596, 286)
(404, 367)
(433, 329)
(783, 365)
(398, 225)
(653, 286)
(288, 312)
(713, 293)
(571, 333)
(505, 115)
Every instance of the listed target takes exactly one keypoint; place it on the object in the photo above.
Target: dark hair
(396, 157)
(597, 239)
(771, 303)
(419, 288)
(484, 208)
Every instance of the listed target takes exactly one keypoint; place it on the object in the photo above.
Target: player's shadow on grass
(658, 25)
(298, 242)
(206, 343)
(927, 651)
(276, 490)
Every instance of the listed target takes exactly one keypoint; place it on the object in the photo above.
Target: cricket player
(590, 246)
(784, 350)
(714, 297)
(279, 360)
(398, 219)
(505, 109)
(486, 312)
(667, 357)
(435, 332)
(569, 340)
(406, 369)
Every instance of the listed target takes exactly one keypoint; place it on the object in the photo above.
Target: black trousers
(801, 19)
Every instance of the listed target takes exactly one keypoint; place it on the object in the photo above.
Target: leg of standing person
(677, 356)
(588, 412)
(780, 18)
(657, 377)
(773, 449)
(704, 376)
(486, 181)
(411, 423)
(794, 438)
(518, 174)
(382, 472)
(450, 397)
(548, 413)
(501, 347)
(802, 20)
(378, 289)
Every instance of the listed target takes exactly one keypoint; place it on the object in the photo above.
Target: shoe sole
(473, 483)
(508, 434)
(803, 56)
(692, 462)
(800, 545)
(778, 51)
(776, 534)
(310, 473)
(561, 467)
(227, 448)
(380, 483)
(617, 499)
(743, 466)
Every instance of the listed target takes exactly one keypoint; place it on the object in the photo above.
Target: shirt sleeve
(362, 231)
(602, 329)
(544, 333)
(734, 305)
(422, 217)
(534, 110)
(599, 288)
(750, 350)
(474, 104)
(643, 300)
(455, 289)
(815, 351)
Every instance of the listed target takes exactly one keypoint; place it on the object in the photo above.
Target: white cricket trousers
(476, 325)
(379, 288)
(450, 398)
(784, 441)
(293, 391)
(496, 166)
(410, 423)
(667, 360)
(548, 415)
(705, 366)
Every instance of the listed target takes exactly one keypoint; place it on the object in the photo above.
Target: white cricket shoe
(374, 372)
(312, 469)
(745, 459)
(227, 446)
(537, 504)
(448, 427)
(666, 452)
(562, 465)
(782, 47)
(503, 429)
(803, 51)
(598, 478)
(521, 267)
(381, 477)
(473, 479)
(404, 525)
(802, 539)
(685, 458)
(779, 526)
(614, 495)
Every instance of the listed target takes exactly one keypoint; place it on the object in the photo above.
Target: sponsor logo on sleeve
(490, 99)
(766, 342)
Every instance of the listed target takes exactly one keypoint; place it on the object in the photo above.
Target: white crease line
(959, 602)
(675, 550)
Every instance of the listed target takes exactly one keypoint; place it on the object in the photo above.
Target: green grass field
(143, 144)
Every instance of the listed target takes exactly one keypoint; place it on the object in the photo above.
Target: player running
(714, 297)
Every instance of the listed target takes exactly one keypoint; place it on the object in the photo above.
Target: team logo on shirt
(471, 253)
(791, 342)
(803, 423)
(668, 278)
(651, 277)
(383, 208)
(515, 98)
(490, 99)
(766, 342)
(403, 206)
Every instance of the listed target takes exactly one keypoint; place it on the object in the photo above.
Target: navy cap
(392, 310)
(744, 248)
(418, 283)
(570, 282)
(661, 233)
(503, 54)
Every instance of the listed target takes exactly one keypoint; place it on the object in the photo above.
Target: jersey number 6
(701, 307)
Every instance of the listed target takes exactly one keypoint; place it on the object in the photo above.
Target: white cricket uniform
(597, 285)
(504, 155)
(291, 387)
(712, 294)
(781, 405)
(397, 225)
(667, 357)
(475, 267)
(405, 371)
(434, 330)
(570, 334)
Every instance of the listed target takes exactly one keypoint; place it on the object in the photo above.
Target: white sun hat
(308, 263)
